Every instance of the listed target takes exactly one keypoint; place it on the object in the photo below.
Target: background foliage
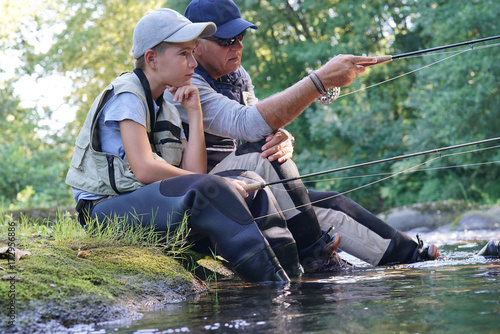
(453, 102)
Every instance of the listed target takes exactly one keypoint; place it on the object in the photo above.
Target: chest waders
(363, 234)
(273, 224)
(307, 235)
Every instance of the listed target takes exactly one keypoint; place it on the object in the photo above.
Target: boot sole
(332, 245)
(433, 252)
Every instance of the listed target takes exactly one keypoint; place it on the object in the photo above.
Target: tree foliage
(32, 160)
(94, 45)
(452, 102)
(31, 169)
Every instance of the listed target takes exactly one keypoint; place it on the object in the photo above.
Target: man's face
(217, 57)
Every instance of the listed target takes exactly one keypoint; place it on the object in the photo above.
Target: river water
(459, 293)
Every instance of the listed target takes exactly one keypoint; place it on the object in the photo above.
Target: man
(231, 112)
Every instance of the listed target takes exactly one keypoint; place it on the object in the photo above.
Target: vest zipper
(111, 173)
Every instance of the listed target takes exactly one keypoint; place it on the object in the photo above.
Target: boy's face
(176, 65)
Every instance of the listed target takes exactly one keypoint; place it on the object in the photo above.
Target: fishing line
(425, 169)
(351, 190)
(383, 59)
(486, 46)
(383, 174)
(390, 175)
(447, 52)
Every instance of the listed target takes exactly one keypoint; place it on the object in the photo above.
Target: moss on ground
(110, 283)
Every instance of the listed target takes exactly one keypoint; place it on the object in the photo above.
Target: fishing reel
(329, 96)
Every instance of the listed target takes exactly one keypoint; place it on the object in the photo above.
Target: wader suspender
(152, 123)
(149, 98)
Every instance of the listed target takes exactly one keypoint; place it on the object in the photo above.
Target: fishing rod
(385, 59)
(260, 185)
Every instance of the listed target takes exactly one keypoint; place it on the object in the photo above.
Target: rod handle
(380, 60)
(253, 186)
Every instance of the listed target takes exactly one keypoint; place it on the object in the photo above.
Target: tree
(32, 167)
(456, 101)
(399, 117)
(93, 47)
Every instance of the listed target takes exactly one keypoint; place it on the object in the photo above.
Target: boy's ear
(150, 58)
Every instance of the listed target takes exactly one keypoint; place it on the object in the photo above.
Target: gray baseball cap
(166, 25)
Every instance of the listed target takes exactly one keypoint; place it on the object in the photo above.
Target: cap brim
(192, 31)
(233, 28)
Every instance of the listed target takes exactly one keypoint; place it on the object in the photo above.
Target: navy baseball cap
(224, 13)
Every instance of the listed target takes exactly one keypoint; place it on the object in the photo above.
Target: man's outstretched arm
(282, 108)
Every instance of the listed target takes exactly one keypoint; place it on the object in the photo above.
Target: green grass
(66, 231)
(115, 249)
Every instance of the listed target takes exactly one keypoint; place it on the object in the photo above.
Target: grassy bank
(71, 276)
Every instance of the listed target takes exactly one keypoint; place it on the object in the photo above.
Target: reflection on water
(459, 293)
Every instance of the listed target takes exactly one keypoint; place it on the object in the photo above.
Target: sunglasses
(227, 41)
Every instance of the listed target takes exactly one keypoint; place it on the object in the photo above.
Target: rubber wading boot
(288, 257)
(492, 249)
(262, 266)
(316, 257)
(427, 253)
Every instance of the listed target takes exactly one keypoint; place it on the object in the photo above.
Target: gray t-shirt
(225, 117)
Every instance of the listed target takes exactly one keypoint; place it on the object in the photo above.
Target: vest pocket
(171, 152)
(114, 174)
(77, 160)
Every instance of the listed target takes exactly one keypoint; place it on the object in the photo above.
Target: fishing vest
(231, 85)
(103, 173)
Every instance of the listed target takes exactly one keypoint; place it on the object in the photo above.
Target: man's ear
(198, 45)
(150, 58)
